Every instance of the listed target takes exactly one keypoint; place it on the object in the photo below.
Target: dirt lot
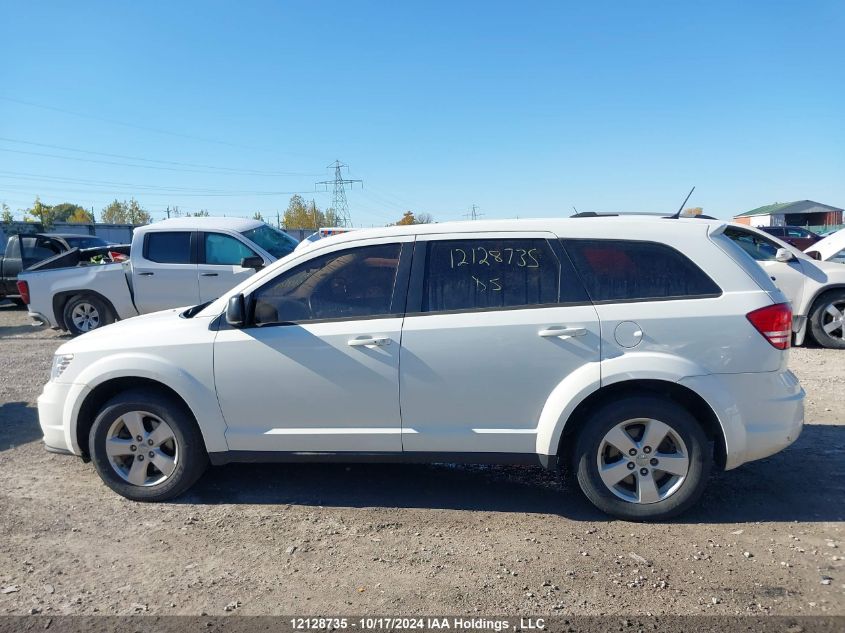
(311, 539)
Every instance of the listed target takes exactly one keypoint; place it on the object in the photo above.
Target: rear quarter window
(627, 270)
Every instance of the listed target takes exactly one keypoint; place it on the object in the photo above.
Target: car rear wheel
(827, 320)
(642, 458)
(86, 312)
(147, 447)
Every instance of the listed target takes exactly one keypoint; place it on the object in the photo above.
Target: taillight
(23, 291)
(774, 323)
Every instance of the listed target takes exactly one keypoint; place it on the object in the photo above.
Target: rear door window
(627, 270)
(168, 247)
(482, 274)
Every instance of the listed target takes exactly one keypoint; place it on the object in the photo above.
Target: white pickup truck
(173, 263)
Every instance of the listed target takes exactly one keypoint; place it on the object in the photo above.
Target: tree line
(298, 215)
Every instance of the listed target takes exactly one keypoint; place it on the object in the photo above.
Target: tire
(633, 497)
(827, 312)
(85, 312)
(167, 468)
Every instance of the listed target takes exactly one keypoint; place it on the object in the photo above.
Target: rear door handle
(146, 274)
(208, 274)
(367, 341)
(561, 331)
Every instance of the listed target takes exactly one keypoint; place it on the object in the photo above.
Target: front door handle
(368, 341)
(561, 331)
(208, 274)
(146, 274)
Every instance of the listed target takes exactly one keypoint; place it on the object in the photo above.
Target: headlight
(60, 363)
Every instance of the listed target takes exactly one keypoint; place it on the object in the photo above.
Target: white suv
(639, 351)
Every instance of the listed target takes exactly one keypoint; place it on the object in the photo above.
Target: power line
(339, 202)
(233, 170)
(125, 124)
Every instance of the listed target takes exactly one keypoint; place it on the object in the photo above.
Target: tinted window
(356, 282)
(791, 232)
(494, 273)
(168, 247)
(39, 248)
(756, 245)
(619, 270)
(276, 242)
(225, 250)
(777, 231)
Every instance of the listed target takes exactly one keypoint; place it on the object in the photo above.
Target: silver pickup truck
(173, 263)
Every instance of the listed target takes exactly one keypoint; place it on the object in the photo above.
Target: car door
(219, 263)
(788, 276)
(316, 368)
(164, 274)
(494, 323)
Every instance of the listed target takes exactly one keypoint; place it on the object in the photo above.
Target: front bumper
(760, 413)
(51, 406)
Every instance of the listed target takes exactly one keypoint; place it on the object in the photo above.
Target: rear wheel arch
(105, 391)
(684, 396)
(60, 300)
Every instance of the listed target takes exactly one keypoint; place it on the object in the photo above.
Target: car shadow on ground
(806, 482)
(18, 424)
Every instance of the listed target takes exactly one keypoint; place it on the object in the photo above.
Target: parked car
(816, 289)
(25, 250)
(830, 248)
(796, 236)
(639, 351)
(175, 262)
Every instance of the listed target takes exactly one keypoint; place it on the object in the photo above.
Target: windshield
(85, 242)
(276, 242)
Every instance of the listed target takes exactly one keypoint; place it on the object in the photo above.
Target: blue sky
(523, 108)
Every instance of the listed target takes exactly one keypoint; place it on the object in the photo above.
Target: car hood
(155, 328)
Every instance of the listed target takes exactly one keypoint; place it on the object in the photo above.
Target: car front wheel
(642, 458)
(146, 446)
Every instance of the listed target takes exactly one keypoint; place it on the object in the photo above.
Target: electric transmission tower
(339, 203)
(473, 214)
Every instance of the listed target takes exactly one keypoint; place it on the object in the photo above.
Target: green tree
(125, 213)
(409, 217)
(40, 212)
(6, 216)
(257, 216)
(80, 216)
(298, 215)
(62, 212)
(202, 213)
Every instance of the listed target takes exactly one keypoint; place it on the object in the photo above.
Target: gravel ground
(399, 540)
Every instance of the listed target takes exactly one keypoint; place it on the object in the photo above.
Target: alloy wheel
(833, 320)
(85, 317)
(643, 460)
(142, 448)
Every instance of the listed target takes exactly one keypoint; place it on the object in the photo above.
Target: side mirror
(784, 255)
(235, 312)
(252, 262)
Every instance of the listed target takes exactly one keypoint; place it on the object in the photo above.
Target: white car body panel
(475, 381)
(141, 286)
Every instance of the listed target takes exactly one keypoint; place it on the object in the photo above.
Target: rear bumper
(39, 319)
(760, 413)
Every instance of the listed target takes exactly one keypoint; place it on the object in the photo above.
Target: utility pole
(339, 203)
(278, 221)
(168, 211)
(473, 214)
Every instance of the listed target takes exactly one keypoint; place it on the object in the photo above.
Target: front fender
(589, 378)
(194, 390)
